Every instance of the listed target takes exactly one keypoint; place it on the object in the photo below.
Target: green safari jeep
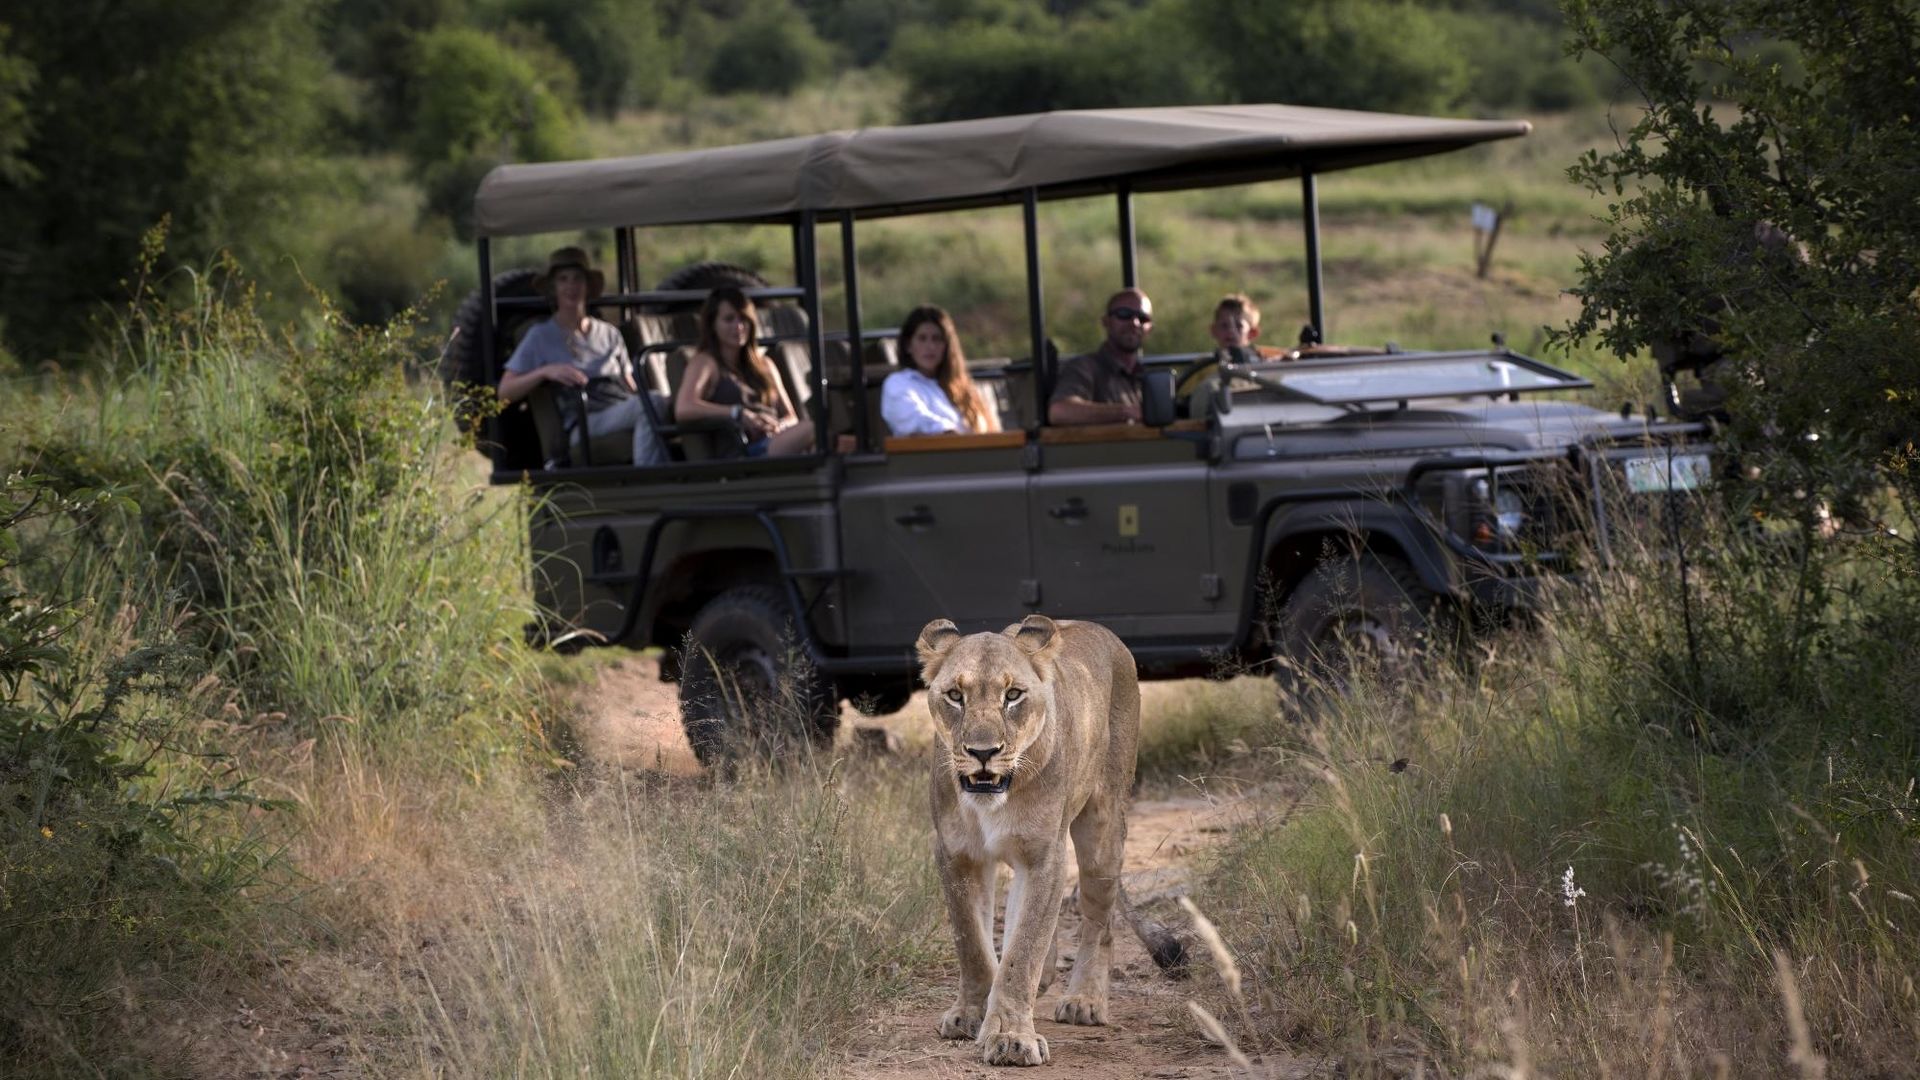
(1351, 497)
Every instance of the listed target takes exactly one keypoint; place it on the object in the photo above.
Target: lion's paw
(961, 1022)
(1083, 1009)
(1012, 1048)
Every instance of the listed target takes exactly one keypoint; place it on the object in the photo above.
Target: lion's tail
(1167, 950)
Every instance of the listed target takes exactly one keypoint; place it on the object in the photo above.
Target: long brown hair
(756, 371)
(952, 372)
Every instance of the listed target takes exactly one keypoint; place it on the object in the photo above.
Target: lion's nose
(984, 755)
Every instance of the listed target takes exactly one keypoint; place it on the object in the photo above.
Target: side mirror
(1156, 398)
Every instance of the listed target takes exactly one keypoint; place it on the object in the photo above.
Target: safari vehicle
(1347, 496)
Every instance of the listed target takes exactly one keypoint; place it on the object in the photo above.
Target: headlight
(1502, 511)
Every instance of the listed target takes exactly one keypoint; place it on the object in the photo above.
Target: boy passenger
(574, 349)
(1235, 327)
(1103, 386)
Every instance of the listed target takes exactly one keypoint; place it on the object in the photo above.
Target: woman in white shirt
(932, 394)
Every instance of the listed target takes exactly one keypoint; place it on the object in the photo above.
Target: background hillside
(334, 145)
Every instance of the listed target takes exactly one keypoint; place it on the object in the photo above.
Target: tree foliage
(614, 45)
(1777, 209)
(1355, 54)
(480, 102)
(140, 109)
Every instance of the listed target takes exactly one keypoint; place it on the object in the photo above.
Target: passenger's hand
(564, 374)
(758, 425)
(1133, 414)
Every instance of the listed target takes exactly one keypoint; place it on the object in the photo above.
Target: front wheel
(746, 686)
(1370, 613)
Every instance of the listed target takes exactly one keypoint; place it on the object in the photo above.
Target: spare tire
(704, 275)
(462, 365)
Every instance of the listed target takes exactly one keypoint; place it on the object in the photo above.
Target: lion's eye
(1014, 694)
(956, 697)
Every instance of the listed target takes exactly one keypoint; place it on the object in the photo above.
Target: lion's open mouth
(985, 783)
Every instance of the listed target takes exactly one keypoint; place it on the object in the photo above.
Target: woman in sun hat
(573, 348)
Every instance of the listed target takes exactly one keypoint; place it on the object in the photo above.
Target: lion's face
(991, 696)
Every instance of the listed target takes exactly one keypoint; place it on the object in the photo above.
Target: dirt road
(631, 718)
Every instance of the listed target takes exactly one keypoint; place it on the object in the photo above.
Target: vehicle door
(937, 529)
(1122, 534)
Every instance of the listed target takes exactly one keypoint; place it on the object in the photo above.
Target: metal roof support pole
(629, 268)
(1129, 272)
(1310, 211)
(488, 362)
(850, 271)
(816, 338)
(1036, 311)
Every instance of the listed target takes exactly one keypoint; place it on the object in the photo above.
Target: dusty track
(630, 718)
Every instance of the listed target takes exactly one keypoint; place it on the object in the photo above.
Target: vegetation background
(275, 768)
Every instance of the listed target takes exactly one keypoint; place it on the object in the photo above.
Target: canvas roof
(912, 169)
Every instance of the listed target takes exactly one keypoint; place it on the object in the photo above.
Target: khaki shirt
(1098, 377)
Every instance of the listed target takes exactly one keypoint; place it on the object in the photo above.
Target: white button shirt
(913, 404)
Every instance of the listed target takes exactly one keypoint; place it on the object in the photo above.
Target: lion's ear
(936, 638)
(1034, 634)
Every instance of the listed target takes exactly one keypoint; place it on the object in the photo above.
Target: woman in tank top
(730, 377)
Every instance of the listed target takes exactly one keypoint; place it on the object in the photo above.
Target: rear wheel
(1367, 614)
(746, 687)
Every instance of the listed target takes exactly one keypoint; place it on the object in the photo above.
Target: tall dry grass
(1669, 832)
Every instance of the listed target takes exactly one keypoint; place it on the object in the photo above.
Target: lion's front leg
(1033, 912)
(968, 887)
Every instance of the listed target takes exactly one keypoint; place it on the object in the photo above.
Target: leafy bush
(614, 45)
(769, 48)
(113, 847)
(1353, 54)
(1629, 826)
(1001, 69)
(207, 112)
(480, 102)
(1778, 225)
(301, 497)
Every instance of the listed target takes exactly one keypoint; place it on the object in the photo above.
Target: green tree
(1353, 54)
(141, 109)
(1000, 68)
(478, 103)
(614, 45)
(16, 81)
(769, 48)
(1779, 211)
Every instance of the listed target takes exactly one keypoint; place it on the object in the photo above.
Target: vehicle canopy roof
(876, 172)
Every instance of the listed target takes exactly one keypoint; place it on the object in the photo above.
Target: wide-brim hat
(575, 259)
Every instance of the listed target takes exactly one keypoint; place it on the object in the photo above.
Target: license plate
(1675, 472)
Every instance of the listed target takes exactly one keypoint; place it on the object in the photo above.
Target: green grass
(1721, 807)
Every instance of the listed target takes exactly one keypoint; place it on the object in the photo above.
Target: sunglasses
(1127, 314)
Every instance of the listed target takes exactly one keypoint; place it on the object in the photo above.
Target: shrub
(480, 102)
(207, 112)
(1002, 69)
(1352, 54)
(614, 45)
(113, 851)
(300, 496)
(1624, 828)
(770, 48)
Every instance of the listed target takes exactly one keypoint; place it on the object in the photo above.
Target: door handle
(1072, 510)
(918, 518)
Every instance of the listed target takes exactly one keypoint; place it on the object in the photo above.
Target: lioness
(1038, 727)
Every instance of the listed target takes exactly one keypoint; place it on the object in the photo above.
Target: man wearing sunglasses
(1103, 386)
